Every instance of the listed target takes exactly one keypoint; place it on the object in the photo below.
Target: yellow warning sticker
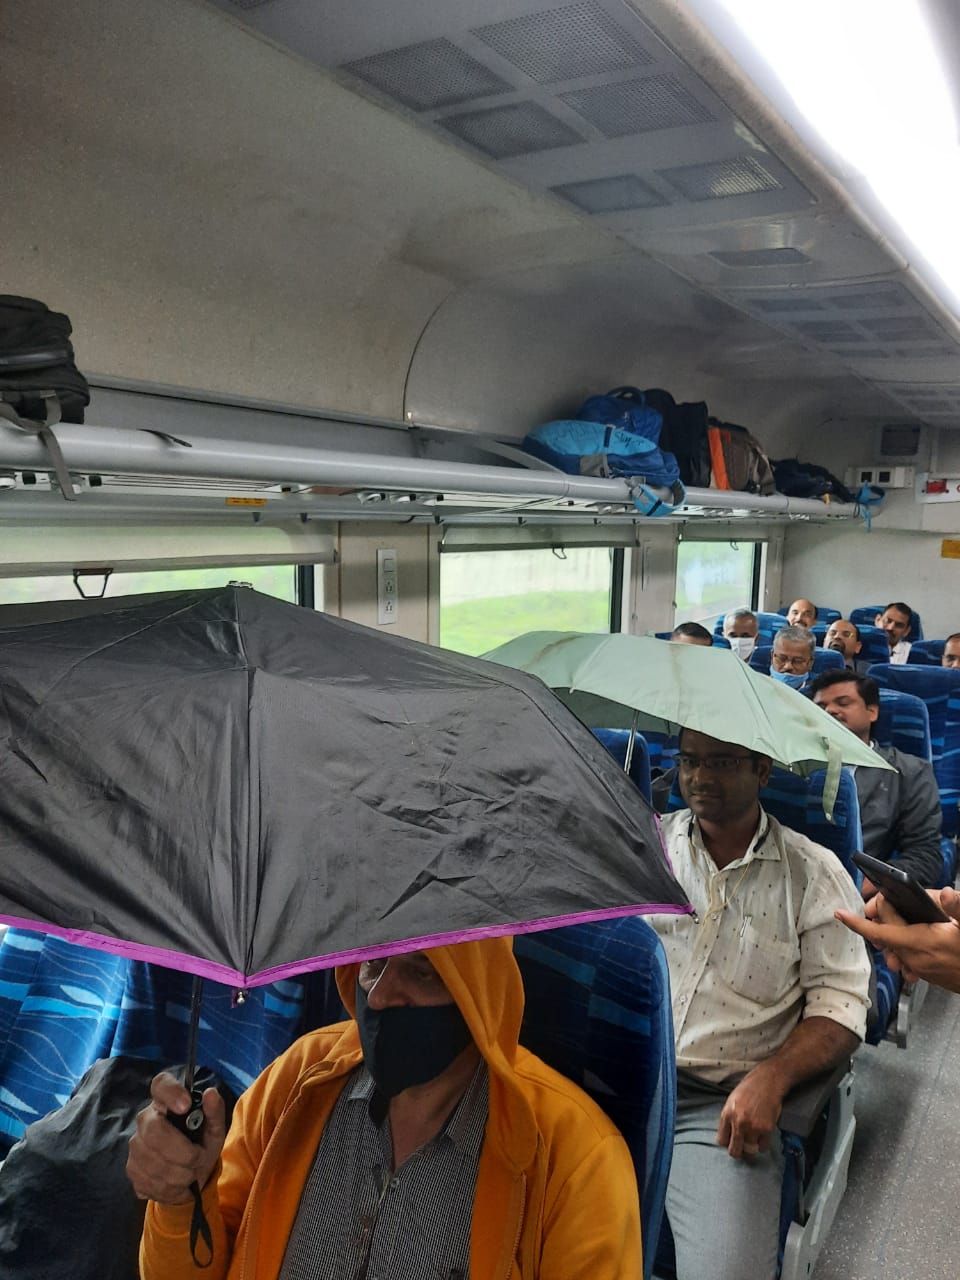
(246, 502)
(950, 549)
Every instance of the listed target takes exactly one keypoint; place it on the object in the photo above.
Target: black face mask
(409, 1044)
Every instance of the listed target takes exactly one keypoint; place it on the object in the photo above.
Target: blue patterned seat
(798, 803)
(903, 723)
(616, 742)
(662, 749)
(598, 1010)
(939, 688)
(63, 1006)
(874, 645)
(927, 653)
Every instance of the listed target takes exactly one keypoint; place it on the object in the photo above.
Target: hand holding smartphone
(905, 895)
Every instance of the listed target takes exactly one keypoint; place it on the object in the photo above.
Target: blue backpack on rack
(613, 435)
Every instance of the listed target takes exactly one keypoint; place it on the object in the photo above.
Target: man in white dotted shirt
(767, 992)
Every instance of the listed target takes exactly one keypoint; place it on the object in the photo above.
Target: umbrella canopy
(245, 789)
(624, 681)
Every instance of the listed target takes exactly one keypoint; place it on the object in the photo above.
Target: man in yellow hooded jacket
(417, 1140)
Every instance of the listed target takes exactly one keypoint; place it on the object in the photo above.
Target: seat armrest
(804, 1104)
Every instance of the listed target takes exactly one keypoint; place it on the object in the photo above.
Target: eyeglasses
(782, 660)
(415, 971)
(713, 764)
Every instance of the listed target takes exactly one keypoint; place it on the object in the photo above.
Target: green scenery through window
(272, 580)
(713, 578)
(488, 597)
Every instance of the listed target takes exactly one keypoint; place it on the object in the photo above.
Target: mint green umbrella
(636, 682)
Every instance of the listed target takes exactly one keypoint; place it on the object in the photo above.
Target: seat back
(798, 803)
(598, 1010)
(874, 646)
(759, 660)
(903, 723)
(63, 1006)
(939, 688)
(926, 653)
(617, 742)
(662, 749)
(866, 615)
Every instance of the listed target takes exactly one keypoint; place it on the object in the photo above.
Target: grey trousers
(724, 1213)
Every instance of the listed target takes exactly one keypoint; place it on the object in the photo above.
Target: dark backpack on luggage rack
(39, 382)
(684, 434)
(809, 480)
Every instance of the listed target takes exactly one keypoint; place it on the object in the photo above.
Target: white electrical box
(878, 473)
(388, 604)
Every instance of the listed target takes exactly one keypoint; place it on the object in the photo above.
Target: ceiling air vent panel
(610, 195)
(515, 130)
(782, 257)
(435, 73)
(828, 331)
(718, 180)
(639, 106)
(564, 44)
(905, 328)
(795, 304)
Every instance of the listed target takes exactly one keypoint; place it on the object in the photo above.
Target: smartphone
(904, 894)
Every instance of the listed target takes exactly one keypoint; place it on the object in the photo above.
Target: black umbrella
(244, 789)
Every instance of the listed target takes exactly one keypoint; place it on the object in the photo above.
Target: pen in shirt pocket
(747, 920)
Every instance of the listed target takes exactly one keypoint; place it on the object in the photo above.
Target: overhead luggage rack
(130, 473)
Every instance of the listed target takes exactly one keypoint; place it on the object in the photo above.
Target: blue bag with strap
(626, 408)
(616, 434)
(592, 449)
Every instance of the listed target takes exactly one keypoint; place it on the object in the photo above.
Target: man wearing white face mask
(741, 628)
(791, 661)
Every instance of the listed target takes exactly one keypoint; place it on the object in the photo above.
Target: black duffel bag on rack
(40, 384)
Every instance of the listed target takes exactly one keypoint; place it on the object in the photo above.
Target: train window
(488, 597)
(714, 577)
(272, 580)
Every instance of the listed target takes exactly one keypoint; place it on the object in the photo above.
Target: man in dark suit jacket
(900, 812)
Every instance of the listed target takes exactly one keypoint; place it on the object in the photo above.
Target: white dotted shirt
(765, 951)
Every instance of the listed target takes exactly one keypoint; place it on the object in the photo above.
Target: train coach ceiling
(456, 212)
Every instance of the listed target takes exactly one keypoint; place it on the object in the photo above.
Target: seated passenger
(691, 633)
(791, 661)
(895, 621)
(900, 812)
(768, 991)
(416, 1140)
(802, 613)
(951, 651)
(741, 628)
(843, 637)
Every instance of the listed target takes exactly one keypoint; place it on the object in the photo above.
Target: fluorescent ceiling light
(866, 74)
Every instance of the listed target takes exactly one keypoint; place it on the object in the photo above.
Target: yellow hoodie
(556, 1195)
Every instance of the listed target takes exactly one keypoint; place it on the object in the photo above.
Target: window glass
(713, 578)
(488, 597)
(272, 580)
